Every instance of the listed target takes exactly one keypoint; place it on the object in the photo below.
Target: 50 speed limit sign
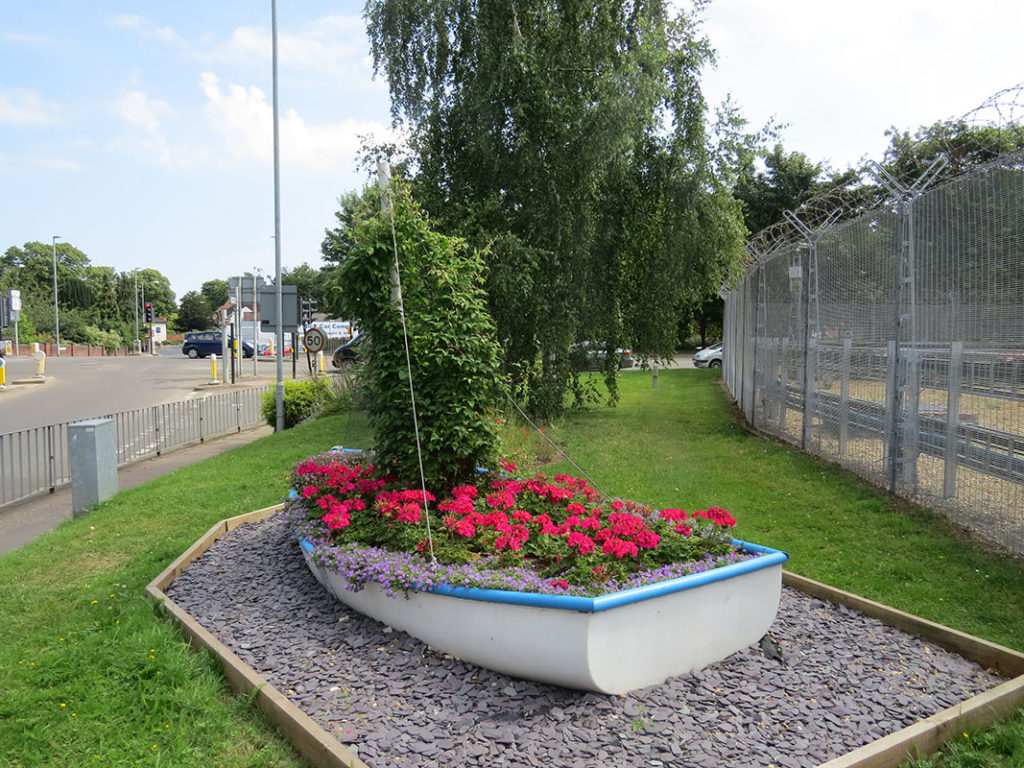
(315, 340)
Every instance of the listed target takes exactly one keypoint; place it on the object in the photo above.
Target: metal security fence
(34, 461)
(893, 343)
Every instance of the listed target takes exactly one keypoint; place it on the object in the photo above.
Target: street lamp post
(135, 301)
(279, 389)
(256, 275)
(56, 317)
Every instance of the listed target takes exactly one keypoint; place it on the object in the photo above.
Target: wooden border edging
(309, 739)
(926, 736)
(922, 738)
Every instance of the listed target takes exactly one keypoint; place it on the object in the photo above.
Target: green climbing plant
(454, 356)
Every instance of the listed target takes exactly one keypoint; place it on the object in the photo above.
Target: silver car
(709, 357)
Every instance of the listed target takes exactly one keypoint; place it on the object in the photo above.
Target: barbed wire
(1003, 111)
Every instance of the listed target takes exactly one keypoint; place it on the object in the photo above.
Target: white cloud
(332, 47)
(839, 74)
(147, 28)
(244, 118)
(138, 109)
(142, 117)
(23, 107)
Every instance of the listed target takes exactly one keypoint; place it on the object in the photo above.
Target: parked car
(206, 343)
(590, 356)
(709, 357)
(347, 355)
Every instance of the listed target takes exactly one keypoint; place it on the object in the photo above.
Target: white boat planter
(613, 644)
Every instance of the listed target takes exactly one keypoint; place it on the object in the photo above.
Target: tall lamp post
(56, 317)
(135, 301)
(279, 389)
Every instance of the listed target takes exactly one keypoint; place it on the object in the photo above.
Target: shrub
(303, 400)
(454, 363)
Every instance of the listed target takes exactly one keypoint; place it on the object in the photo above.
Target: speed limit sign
(315, 340)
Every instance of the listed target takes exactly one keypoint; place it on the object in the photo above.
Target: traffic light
(149, 312)
(307, 310)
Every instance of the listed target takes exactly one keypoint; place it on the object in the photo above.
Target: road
(87, 387)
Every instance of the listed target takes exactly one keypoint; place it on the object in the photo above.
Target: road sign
(315, 340)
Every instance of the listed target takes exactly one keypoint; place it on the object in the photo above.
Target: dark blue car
(206, 343)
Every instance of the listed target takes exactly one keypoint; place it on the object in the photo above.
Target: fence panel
(893, 344)
(34, 461)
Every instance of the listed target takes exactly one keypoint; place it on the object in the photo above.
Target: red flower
(409, 512)
(560, 494)
(325, 502)
(337, 519)
(309, 490)
(647, 539)
(673, 514)
(625, 525)
(581, 541)
(503, 500)
(462, 505)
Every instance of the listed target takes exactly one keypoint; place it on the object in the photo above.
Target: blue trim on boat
(768, 557)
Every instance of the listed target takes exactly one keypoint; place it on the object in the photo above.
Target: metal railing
(35, 461)
(892, 342)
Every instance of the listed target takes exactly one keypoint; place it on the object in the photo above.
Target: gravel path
(844, 680)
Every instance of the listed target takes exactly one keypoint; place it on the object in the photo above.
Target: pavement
(22, 522)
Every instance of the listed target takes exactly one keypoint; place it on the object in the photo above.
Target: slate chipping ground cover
(844, 680)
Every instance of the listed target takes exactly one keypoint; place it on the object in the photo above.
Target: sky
(141, 132)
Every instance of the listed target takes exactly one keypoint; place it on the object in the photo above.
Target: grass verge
(89, 673)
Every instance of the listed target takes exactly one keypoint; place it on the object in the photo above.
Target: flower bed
(549, 536)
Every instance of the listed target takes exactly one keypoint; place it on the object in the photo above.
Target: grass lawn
(91, 675)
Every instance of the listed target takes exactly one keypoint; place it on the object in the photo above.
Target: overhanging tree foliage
(571, 137)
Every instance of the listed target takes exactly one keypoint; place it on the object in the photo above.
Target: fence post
(201, 436)
(52, 463)
(911, 439)
(908, 386)
(889, 441)
(844, 395)
(812, 324)
(156, 428)
(956, 359)
(784, 385)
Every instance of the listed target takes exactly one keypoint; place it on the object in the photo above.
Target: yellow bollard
(3, 374)
(40, 358)
(320, 361)
(213, 370)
